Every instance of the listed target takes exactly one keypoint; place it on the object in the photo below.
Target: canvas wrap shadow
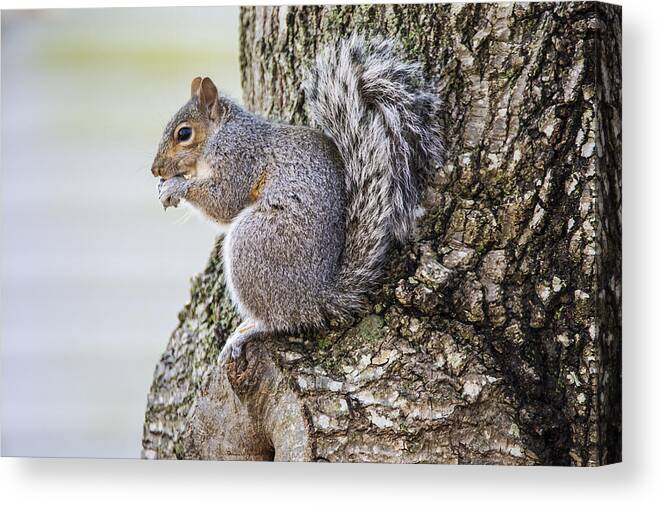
(496, 337)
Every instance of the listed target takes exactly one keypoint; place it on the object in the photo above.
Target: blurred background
(93, 272)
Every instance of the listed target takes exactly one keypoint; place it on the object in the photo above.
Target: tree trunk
(496, 337)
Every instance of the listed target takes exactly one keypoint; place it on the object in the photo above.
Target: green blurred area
(145, 58)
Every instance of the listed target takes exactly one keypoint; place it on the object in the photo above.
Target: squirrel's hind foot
(245, 332)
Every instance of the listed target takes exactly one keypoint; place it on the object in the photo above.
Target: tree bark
(496, 337)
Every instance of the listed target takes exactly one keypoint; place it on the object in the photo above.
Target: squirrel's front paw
(171, 191)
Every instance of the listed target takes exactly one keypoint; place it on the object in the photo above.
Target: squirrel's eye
(184, 134)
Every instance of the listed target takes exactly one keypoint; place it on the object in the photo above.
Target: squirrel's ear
(208, 95)
(195, 87)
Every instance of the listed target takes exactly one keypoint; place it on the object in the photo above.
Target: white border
(637, 481)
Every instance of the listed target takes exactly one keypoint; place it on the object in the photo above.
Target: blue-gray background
(93, 272)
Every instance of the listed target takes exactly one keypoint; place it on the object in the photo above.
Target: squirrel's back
(383, 117)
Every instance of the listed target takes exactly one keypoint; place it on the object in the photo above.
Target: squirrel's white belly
(227, 264)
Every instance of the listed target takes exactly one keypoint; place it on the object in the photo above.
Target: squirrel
(309, 213)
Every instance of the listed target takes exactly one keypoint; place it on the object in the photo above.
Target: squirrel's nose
(155, 169)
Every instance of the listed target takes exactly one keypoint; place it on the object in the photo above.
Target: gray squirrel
(309, 213)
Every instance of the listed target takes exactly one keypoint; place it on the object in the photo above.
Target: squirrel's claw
(171, 191)
(245, 332)
(232, 349)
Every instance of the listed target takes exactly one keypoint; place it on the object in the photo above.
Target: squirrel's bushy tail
(382, 115)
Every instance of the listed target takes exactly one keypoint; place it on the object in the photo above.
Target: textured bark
(496, 337)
